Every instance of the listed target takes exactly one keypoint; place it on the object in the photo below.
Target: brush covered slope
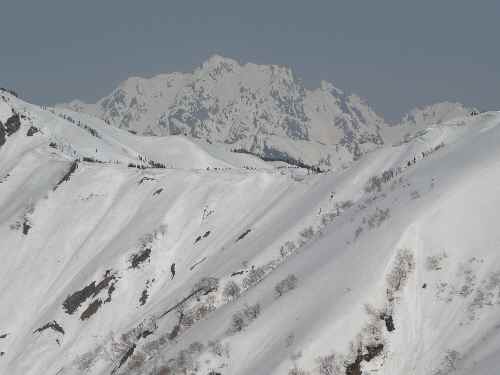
(388, 267)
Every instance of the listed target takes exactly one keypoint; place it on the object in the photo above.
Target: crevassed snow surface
(108, 268)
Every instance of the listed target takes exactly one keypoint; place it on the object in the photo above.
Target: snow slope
(388, 267)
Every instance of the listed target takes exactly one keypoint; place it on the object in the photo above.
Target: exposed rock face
(12, 124)
(2, 135)
(5, 112)
(32, 131)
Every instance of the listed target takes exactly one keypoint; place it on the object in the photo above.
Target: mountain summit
(261, 109)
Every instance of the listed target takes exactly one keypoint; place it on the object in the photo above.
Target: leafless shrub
(85, 361)
(183, 362)
(346, 204)
(374, 184)
(285, 285)
(206, 285)
(435, 262)
(163, 370)
(377, 218)
(196, 347)
(231, 290)
(287, 249)
(154, 346)
(328, 218)
(146, 240)
(295, 356)
(118, 348)
(449, 363)
(161, 231)
(238, 322)
(387, 175)
(289, 340)
(129, 337)
(371, 332)
(307, 233)
(197, 312)
(16, 226)
(251, 311)
(136, 361)
(216, 348)
(254, 277)
(297, 371)
(328, 365)
(243, 318)
(372, 311)
(404, 264)
(414, 194)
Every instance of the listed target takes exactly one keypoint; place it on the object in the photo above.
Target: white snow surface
(85, 277)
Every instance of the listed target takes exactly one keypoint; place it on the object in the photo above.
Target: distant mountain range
(260, 109)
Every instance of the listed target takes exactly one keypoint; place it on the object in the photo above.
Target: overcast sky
(396, 54)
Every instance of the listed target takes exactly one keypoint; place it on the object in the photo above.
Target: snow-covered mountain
(261, 109)
(127, 254)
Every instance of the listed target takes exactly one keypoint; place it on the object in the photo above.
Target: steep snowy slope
(388, 267)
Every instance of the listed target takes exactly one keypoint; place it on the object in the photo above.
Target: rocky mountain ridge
(261, 109)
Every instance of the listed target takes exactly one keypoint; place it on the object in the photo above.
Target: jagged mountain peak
(216, 61)
(261, 109)
(225, 64)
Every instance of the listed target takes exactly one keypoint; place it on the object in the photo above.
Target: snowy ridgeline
(124, 254)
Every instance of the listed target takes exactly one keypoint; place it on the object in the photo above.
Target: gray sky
(396, 54)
